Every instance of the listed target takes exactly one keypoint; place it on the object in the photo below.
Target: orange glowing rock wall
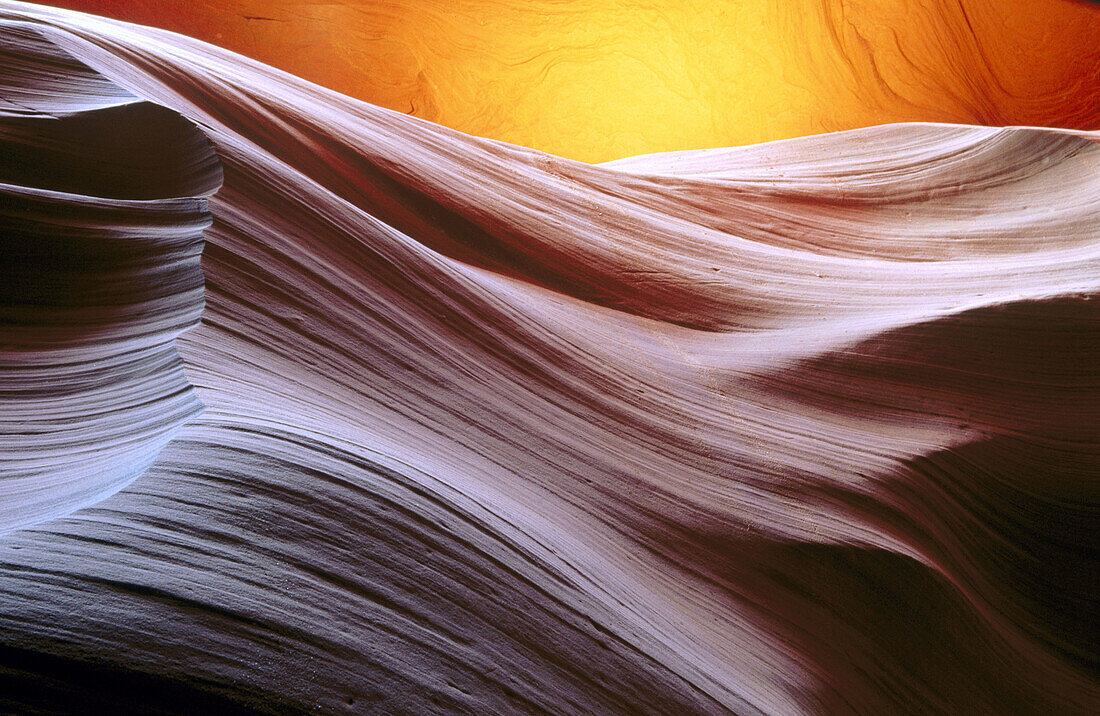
(601, 79)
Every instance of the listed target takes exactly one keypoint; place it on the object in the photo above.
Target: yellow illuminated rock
(601, 79)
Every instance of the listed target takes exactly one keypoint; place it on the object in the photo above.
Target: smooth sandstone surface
(810, 426)
(597, 80)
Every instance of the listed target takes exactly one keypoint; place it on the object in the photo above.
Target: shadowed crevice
(102, 214)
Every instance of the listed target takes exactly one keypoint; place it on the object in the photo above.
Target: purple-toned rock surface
(804, 427)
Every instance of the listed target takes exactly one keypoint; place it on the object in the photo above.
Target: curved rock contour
(101, 218)
(804, 427)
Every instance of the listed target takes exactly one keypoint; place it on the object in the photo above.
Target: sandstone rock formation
(810, 426)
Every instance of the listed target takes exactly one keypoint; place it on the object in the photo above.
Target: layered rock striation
(804, 427)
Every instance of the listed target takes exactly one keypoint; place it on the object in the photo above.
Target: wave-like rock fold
(308, 405)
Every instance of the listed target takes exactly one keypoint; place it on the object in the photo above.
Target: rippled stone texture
(804, 427)
(100, 272)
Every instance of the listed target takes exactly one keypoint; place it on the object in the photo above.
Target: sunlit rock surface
(596, 80)
(804, 427)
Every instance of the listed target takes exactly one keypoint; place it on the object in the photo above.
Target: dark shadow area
(132, 151)
(33, 682)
